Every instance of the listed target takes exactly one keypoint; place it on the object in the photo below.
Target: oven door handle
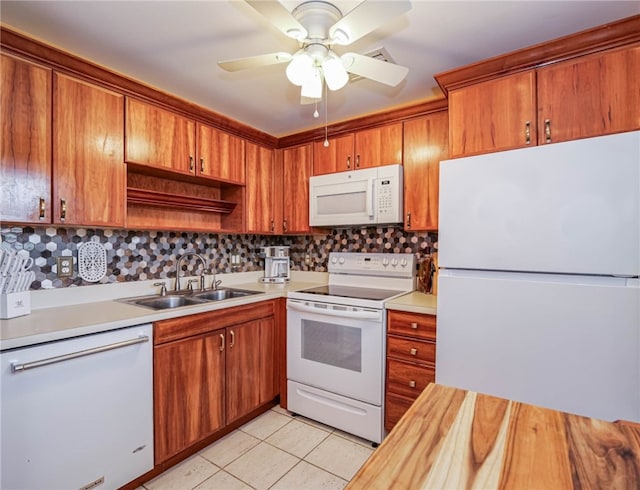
(362, 315)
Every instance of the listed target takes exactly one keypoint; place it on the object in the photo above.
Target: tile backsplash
(143, 255)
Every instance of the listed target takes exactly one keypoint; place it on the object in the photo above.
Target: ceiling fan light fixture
(334, 73)
(312, 87)
(299, 70)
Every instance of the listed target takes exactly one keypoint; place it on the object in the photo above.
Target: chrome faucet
(179, 268)
(214, 283)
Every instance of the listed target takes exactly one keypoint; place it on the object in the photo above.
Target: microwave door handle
(363, 315)
(371, 200)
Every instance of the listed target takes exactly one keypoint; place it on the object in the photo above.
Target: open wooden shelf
(168, 200)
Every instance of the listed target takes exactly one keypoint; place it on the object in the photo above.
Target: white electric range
(336, 341)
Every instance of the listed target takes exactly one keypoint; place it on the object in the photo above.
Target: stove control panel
(374, 264)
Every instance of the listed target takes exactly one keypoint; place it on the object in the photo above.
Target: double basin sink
(188, 298)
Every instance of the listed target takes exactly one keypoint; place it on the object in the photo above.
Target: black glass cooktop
(352, 292)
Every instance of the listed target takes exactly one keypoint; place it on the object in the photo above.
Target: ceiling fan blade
(307, 100)
(255, 61)
(380, 71)
(366, 17)
(280, 17)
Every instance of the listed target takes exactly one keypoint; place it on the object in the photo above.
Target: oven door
(336, 348)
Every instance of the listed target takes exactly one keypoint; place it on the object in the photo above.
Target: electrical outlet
(65, 266)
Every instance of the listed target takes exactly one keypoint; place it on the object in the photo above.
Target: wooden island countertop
(457, 439)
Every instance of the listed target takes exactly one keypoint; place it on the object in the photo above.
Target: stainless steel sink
(220, 294)
(158, 302)
(164, 302)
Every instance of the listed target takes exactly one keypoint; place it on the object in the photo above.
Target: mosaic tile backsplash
(143, 255)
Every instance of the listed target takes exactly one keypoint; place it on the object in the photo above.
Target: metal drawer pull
(42, 208)
(527, 132)
(413, 351)
(63, 209)
(409, 219)
(233, 339)
(412, 384)
(16, 368)
(547, 130)
(201, 165)
(414, 325)
(221, 342)
(348, 161)
(190, 163)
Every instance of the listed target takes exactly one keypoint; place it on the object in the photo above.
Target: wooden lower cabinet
(210, 370)
(411, 361)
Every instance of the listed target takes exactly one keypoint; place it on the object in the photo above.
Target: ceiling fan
(318, 26)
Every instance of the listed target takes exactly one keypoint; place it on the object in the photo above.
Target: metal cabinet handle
(233, 339)
(413, 351)
(409, 219)
(273, 226)
(42, 208)
(358, 160)
(527, 132)
(17, 368)
(412, 384)
(201, 165)
(63, 209)
(190, 163)
(284, 226)
(547, 130)
(221, 342)
(348, 161)
(414, 325)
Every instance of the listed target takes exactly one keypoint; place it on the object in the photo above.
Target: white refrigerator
(539, 289)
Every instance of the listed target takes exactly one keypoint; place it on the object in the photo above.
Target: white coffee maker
(276, 264)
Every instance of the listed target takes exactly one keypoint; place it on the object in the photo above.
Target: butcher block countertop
(456, 439)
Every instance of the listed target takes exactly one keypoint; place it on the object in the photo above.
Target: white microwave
(370, 196)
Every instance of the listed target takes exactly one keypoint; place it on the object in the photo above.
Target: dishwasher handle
(18, 368)
(359, 314)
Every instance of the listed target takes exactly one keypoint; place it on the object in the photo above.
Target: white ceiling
(174, 46)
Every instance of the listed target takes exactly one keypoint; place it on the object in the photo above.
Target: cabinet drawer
(408, 379)
(412, 325)
(411, 350)
(394, 408)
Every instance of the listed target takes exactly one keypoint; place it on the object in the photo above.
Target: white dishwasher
(77, 413)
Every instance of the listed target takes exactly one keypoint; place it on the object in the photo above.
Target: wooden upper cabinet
(88, 154)
(25, 142)
(159, 138)
(221, 156)
(339, 156)
(297, 170)
(589, 96)
(426, 142)
(491, 116)
(260, 195)
(378, 146)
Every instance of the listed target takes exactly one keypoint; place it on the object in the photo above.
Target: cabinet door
(188, 387)
(88, 162)
(379, 146)
(25, 145)
(260, 196)
(220, 155)
(494, 115)
(589, 96)
(337, 157)
(159, 138)
(243, 369)
(297, 169)
(426, 142)
(269, 360)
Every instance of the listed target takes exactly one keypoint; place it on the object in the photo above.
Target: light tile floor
(273, 451)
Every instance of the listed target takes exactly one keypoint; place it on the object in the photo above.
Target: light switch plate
(65, 266)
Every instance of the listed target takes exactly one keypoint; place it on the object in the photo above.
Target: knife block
(15, 304)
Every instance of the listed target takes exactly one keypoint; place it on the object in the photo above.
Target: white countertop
(414, 302)
(60, 314)
(75, 311)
